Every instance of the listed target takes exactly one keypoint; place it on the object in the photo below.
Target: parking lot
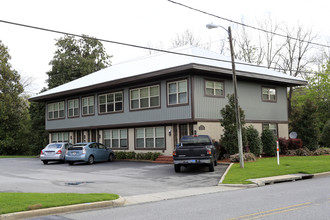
(120, 177)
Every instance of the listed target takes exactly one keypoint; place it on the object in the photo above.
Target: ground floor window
(60, 137)
(270, 126)
(115, 138)
(150, 137)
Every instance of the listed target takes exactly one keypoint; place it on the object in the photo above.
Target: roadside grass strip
(266, 167)
(17, 202)
(16, 156)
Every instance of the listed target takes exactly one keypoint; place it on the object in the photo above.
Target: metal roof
(163, 63)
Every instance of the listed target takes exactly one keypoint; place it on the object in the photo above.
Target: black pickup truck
(194, 150)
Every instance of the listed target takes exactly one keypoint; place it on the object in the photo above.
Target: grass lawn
(16, 156)
(266, 167)
(16, 202)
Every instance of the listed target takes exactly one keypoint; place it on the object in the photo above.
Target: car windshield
(195, 140)
(54, 146)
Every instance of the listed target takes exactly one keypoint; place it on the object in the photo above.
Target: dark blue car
(88, 152)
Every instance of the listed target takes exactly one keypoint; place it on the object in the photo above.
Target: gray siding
(157, 115)
(249, 94)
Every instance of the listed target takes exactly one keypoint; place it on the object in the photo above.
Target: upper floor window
(73, 108)
(56, 110)
(150, 137)
(88, 105)
(268, 94)
(115, 138)
(177, 92)
(214, 88)
(146, 97)
(111, 102)
(270, 126)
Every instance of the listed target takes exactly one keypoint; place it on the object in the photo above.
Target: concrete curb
(56, 210)
(321, 174)
(224, 175)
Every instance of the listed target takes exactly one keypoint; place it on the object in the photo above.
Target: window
(56, 110)
(111, 102)
(177, 92)
(214, 88)
(146, 97)
(88, 105)
(60, 137)
(151, 137)
(272, 127)
(73, 108)
(268, 94)
(116, 138)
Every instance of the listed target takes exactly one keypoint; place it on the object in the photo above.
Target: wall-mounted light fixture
(169, 132)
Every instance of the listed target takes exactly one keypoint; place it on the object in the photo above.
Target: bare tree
(189, 38)
(294, 55)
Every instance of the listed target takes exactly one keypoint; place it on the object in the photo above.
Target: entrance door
(183, 130)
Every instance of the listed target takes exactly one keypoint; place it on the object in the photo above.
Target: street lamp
(238, 118)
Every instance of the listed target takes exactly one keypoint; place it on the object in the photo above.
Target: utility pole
(238, 117)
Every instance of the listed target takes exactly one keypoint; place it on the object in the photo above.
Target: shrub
(289, 144)
(246, 157)
(268, 142)
(303, 152)
(120, 155)
(321, 151)
(284, 145)
(325, 137)
(254, 140)
(130, 155)
(155, 155)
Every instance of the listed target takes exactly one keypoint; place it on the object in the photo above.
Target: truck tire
(177, 168)
(211, 167)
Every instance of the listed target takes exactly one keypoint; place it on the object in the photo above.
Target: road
(305, 199)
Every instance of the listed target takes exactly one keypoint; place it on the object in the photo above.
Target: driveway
(120, 177)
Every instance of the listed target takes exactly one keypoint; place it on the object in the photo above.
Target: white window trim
(214, 89)
(177, 92)
(82, 105)
(268, 94)
(58, 110)
(119, 137)
(114, 102)
(74, 107)
(149, 97)
(154, 138)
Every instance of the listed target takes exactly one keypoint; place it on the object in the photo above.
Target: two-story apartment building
(149, 103)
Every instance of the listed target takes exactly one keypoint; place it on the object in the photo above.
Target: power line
(246, 25)
(137, 46)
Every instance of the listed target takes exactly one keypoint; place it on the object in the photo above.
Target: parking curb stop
(56, 210)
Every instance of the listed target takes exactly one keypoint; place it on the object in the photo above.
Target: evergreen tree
(268, 140)
(254, 140)
(306, 126)
(229, 139)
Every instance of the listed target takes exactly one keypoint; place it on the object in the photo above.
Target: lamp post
(238, 118)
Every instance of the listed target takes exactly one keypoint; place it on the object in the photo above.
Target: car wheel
(110, 159)
(90, 160)
(45, 161)
(70, 163)
(211, 167)
(177, 168)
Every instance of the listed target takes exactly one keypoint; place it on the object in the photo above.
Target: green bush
(325, 137)
(268, 140)
(138, 156)
(253, 140)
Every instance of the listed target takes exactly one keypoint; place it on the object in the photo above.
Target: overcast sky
(152, 23)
